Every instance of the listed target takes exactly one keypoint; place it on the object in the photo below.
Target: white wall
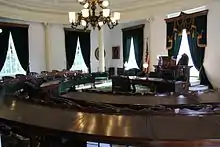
(57, 45)
(37, 47)
(157, 39)
(212, 53)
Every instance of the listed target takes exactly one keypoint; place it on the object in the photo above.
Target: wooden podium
(177, 72)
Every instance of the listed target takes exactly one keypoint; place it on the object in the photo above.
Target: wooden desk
(160, 85)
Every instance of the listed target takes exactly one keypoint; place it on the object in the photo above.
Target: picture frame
(116, 52)
(97, 53)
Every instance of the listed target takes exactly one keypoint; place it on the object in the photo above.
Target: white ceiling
(63, 6)
(55, 11)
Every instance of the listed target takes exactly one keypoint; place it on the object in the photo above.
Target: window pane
(132, 63)
(92, 144)
(79, 63)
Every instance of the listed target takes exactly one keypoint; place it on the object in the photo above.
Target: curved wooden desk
(111, 128)
(205, 98)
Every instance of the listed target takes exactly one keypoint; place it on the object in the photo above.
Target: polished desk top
(205, 98)
(143, 127)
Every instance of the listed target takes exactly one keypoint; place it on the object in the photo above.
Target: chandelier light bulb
(117, 16)
(113, 20)
(101, 23)
(86, 5)
(106, 12)
(0, 31)
(145, 65)
(72, 17)
(105, 3)
(85, 13)
(83, 23)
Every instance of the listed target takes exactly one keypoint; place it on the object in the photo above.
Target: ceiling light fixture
(90, 16)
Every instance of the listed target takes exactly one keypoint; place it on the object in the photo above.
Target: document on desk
(50, 83)
(155, 79)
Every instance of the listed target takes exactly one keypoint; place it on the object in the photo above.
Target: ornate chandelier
(89, 15)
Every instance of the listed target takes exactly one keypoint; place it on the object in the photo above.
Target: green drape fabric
(84, 38)
(138, 46)
(4, 37)
(176, 47)
(70, 45)
(174, 38)
(196, 53)
(170, 38)
(126, 46)
(197, 42)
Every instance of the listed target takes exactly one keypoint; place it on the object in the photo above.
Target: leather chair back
(121, 84)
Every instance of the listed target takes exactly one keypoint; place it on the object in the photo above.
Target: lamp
(145, 65)
(89, 15)
(0, 31)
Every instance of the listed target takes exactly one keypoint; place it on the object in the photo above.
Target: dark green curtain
(177, 43)
(197, 39)
(126, 46)
(20, 38)
(174, 38)
(4, 37)
(70, 45)
(84, 38)
(138, 37)
(170, 38)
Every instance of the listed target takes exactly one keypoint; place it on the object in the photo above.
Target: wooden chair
(19, 75)
(131, 72)
(120, 71)
(121, 84)
(44, 72)
(54, 71)
(33, 74)
(7, 78)
(111, 71)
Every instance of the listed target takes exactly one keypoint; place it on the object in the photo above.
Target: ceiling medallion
(90, 16)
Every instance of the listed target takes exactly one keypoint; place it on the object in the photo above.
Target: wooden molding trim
(134, 27)
(13, 25)
(77, 30)
(185, 16)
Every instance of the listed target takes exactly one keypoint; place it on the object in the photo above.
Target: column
(147, 39)
(47, 46)
(101, 51)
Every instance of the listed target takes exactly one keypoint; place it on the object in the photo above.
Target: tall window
(12, 64)
(184, 48)
(79, 63)
(132, 63)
